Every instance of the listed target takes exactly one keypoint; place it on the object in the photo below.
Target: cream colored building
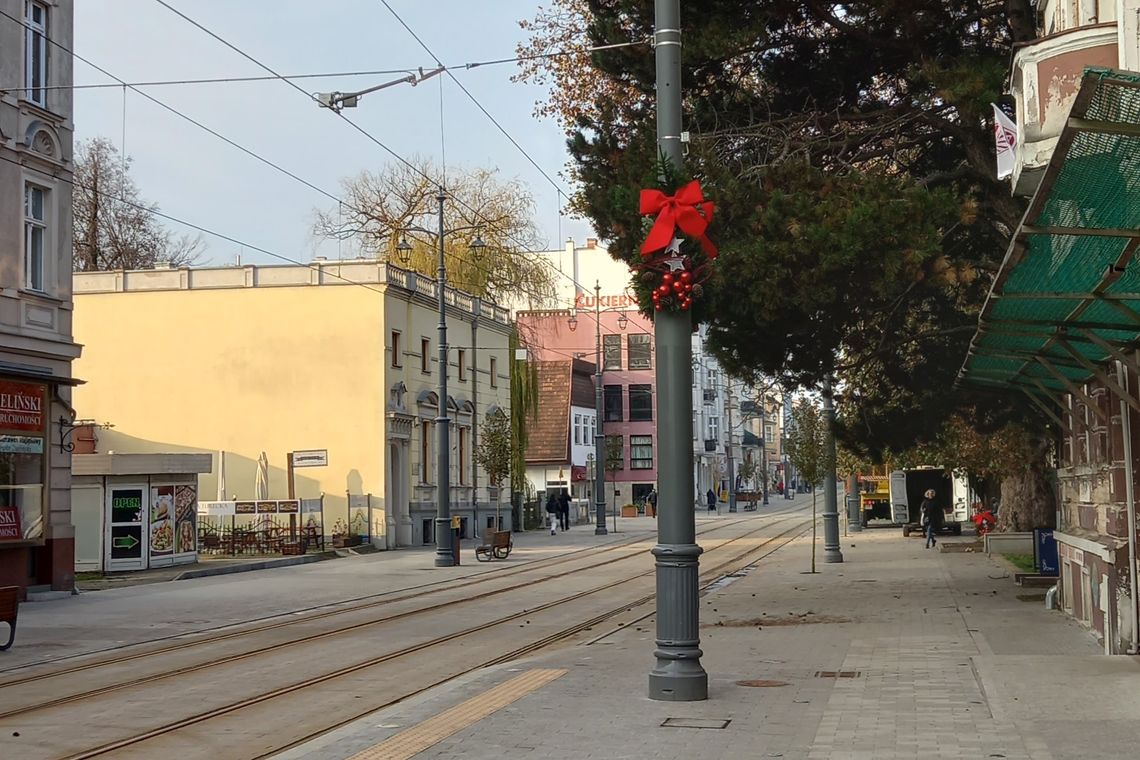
(36, 346)
(339, 356)
(575, 270)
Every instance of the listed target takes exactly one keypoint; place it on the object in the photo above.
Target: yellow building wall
(273, 369)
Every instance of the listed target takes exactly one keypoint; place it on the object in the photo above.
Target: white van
(951, 492)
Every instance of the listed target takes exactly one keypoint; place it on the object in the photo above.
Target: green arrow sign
(125, 542)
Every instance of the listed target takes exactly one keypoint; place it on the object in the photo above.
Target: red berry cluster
(677, 287)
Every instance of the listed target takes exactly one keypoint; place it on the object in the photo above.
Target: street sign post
(312, 458)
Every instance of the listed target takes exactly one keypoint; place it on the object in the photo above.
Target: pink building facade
(628, 380)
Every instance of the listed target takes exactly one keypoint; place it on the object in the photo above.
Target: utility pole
(831, 552)
(787, 460)
(599, 431)
(764, 447)
(444, 556)
(731, 462)
(678, 675)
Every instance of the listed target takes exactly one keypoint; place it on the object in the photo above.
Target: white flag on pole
(1005, 134)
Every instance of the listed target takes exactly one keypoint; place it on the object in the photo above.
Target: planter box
(1009, 543)
(343, 542)
(629, 511)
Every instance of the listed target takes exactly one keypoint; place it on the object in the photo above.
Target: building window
(494, 373)
(425, 451)
(640, 355)
(577, 430)
(640, 403)
(35, 234)
(591, 429)
(35, 62)
(425, 356)
(397, 360)
(463, 433)
(611, 351)
(461, 361)
(713, 429)
(613, 403)
(641, 452)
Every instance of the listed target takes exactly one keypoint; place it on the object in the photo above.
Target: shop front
(135, 511)
(25, 556)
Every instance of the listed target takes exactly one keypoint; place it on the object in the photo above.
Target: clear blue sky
(195, 176)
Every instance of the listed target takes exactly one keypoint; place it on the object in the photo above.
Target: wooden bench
(497, 545)
(9, 608)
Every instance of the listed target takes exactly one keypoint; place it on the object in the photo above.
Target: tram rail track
(292, 618)
(534, 647)
(261, 650)
(228, 710)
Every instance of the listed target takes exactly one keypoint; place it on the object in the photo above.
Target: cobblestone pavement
(899, 652)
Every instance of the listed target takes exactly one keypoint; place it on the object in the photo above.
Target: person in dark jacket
(931, 516)
(710, 497)
(552, 512)
(564, 510)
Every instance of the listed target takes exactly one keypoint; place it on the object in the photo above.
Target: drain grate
(837, 674)
(696, 722)
(761, 683)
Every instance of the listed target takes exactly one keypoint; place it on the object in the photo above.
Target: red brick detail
(1116, 522)
(1086, 516)
(58, 561)
(14, 568)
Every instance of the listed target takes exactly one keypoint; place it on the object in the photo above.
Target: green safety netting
(1067, 297)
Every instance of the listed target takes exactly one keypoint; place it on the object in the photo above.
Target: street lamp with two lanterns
(444, 555)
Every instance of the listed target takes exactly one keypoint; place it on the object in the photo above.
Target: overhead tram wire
(475, 100)
(318, 75)
(176, 112)
(208, 231)
(230, 142)
(365, 133)
(326, 270)
(212, 80)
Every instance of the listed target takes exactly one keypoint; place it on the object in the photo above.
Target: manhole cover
(696, 722)
(837, 674)
(761, 683)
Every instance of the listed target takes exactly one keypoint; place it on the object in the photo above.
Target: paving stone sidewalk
(936, 657)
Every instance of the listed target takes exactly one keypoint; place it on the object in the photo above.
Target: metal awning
(1067, 297)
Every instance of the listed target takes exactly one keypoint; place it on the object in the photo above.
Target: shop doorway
(127, 544)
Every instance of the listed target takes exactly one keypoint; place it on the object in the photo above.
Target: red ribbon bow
(688, 210)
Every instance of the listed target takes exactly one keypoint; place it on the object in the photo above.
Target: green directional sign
(125, 542)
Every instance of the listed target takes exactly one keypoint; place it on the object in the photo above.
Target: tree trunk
(1027, 500)
(813, 530)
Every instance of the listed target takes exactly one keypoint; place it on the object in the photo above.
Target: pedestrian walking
(931, 516)
(651, 500)
(552, 512)
(564, 510)
(711, 498)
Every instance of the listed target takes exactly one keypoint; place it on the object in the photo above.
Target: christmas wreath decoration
(673, 278)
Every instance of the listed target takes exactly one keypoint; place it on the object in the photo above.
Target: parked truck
(875, 496)
(951, 493)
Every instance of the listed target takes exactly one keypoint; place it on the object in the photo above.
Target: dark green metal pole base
(678, 675)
